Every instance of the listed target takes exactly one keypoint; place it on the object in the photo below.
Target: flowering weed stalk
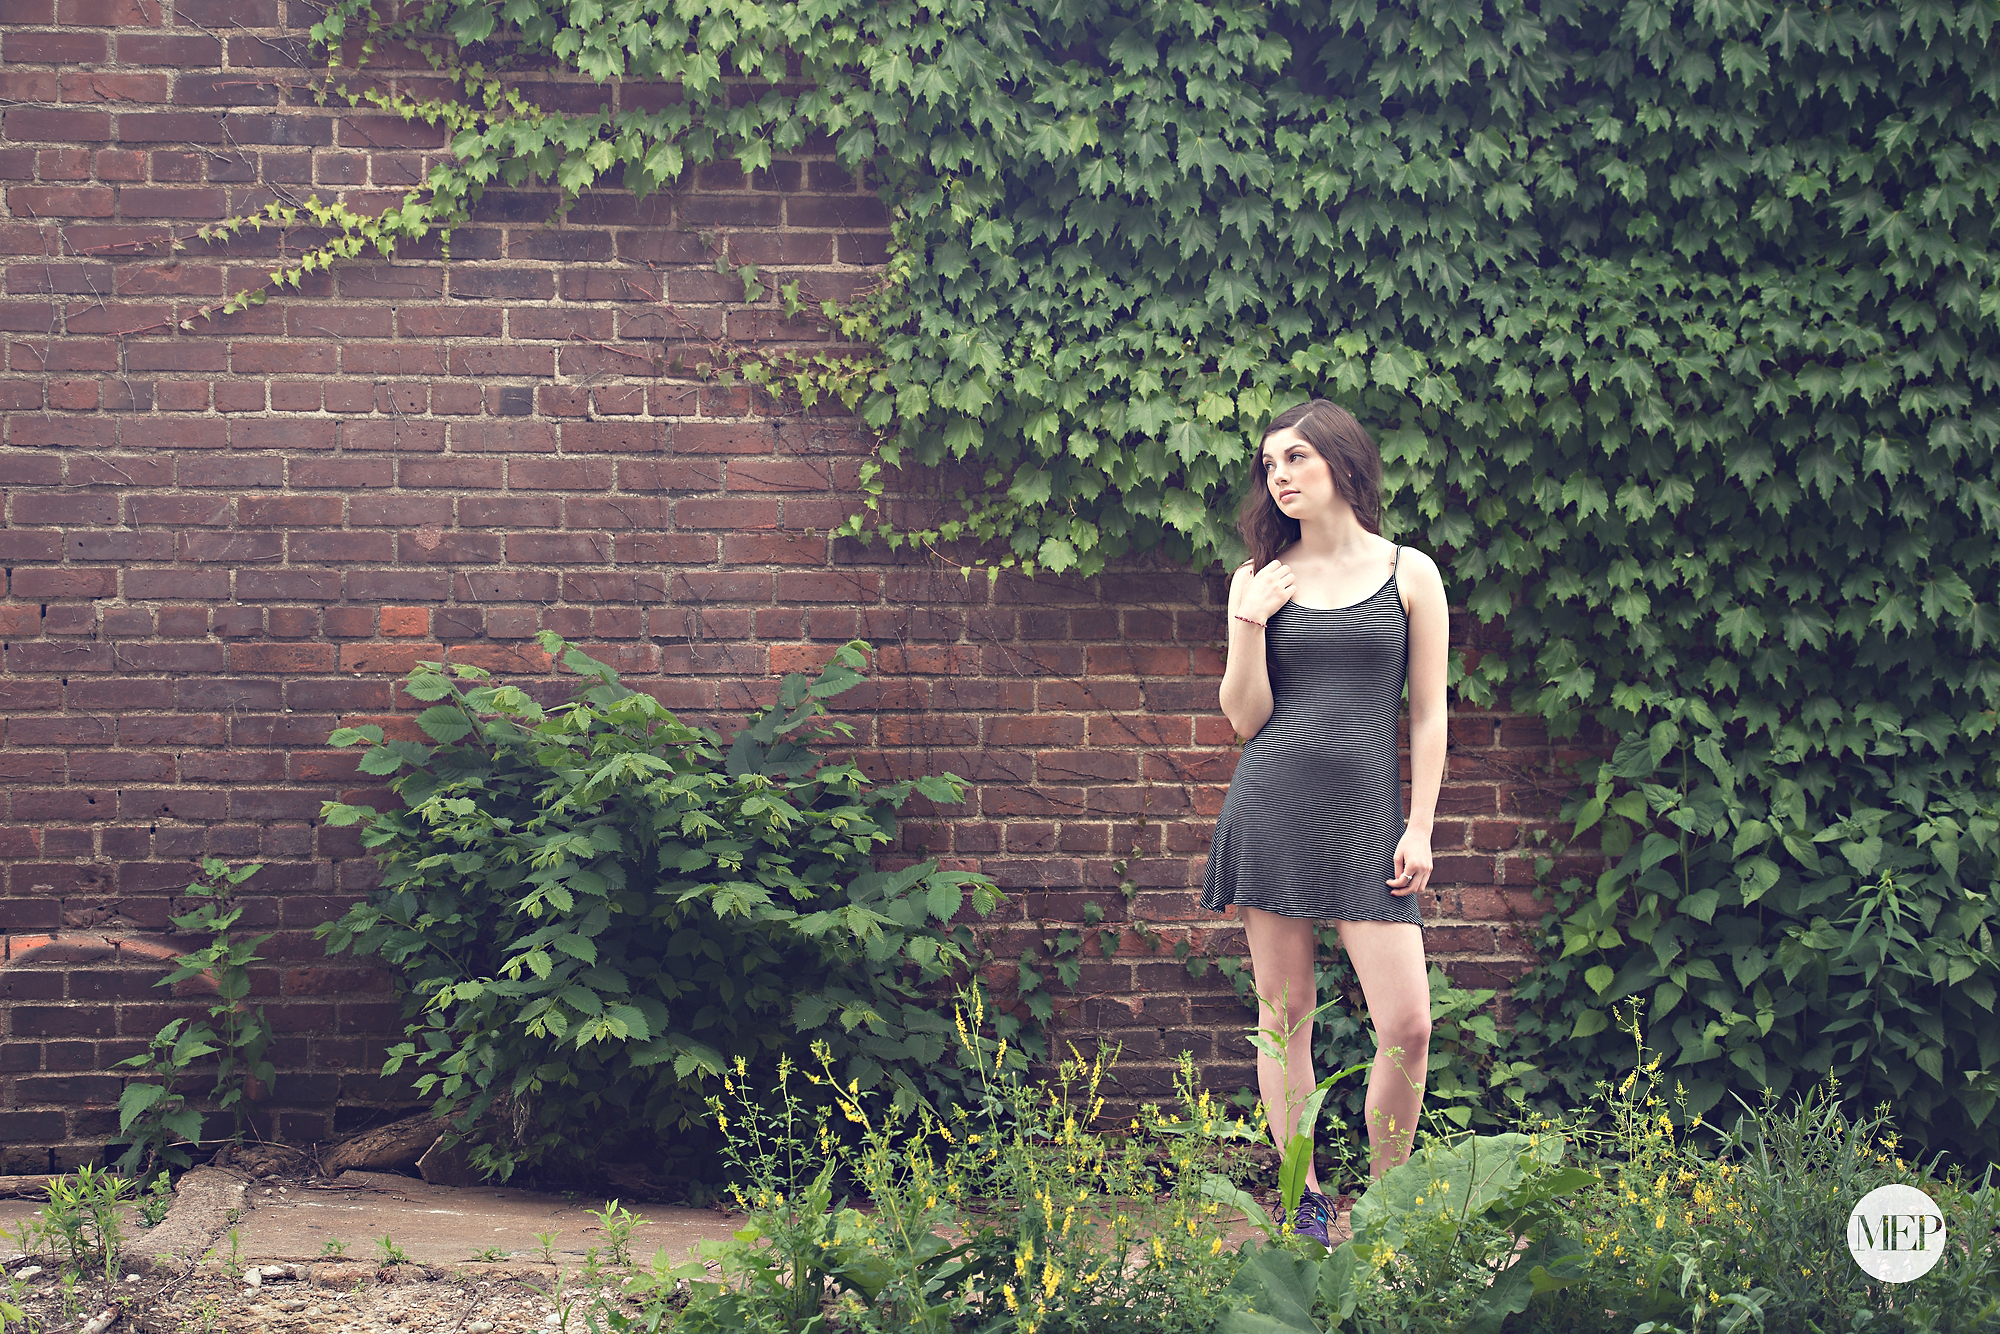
(1020, 1212)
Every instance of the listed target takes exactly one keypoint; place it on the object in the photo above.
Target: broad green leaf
(444, 724)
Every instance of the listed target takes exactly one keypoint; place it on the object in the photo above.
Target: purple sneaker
(1314, 1216)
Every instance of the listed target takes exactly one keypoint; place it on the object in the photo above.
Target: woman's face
(1298, 478)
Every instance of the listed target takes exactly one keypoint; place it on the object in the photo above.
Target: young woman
(1328, 621)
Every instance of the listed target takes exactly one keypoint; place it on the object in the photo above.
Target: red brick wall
(225, 537)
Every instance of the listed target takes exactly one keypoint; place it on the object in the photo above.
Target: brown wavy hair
(1349, 451)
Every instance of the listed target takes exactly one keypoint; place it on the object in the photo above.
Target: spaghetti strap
(1394, 563)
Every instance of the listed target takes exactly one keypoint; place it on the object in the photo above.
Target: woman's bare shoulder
(1418, 560)
(1418, 579)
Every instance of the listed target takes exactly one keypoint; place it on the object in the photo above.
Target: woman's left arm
(1423, 587)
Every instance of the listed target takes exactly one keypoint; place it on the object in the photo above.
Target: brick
(282, 658)
(611, 285)
(399, 585)
(768, 549)
(406, 620)
(233, 88)
(339, 547)
(735, 513)
(170, 127)
(362, 131)
(559, 548)
(449, 322)
(720, 438)
(111, 13)
(479, 283)
(449, 547)
(119, 545)
(616, 513)
(178, 510)
(19, 544)
(695, 474)
(233, 548)
(344, 474)
(184, 52)
(514, 361)
(506, 586)
(284, 358)
(396, 510)
(178, 583)
(24, 469)
(515, 512)
(867, 248)
(416, 434)
(171, 657)
(561, 474)
(233, 766)
(503, 437)
(188, 355)
(289, 511)
(559, 323)
(786, 474)
(286, 130)
(62, 201)
(67, 354)
(109, 86)
(732, 211)
(318, 319)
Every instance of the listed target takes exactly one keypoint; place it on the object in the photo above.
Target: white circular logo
(1896, 1233)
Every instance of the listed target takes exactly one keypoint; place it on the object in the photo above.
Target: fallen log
(385, 1148)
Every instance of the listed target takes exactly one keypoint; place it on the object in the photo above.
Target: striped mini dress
(1314, 812)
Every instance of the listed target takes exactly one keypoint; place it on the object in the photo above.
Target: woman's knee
(1408, 1033)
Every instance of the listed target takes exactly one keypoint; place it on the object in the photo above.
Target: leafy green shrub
(158, 1124)
(595, 910)
(1774, 952)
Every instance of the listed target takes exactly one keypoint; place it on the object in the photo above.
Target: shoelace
(1312, 1208)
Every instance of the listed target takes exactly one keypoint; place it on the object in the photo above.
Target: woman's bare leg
(1281, 962)
(1388, 958)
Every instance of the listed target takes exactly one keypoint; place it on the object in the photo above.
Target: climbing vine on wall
(1676, 321)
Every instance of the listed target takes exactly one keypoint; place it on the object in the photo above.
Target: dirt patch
(313, 1299)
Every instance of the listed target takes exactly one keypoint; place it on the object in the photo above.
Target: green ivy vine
(1676, 320)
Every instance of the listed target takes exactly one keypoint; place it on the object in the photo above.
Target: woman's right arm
(1246, 682)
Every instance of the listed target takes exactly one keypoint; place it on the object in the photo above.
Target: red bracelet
(1247, 621)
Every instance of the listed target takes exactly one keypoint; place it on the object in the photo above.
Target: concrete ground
(297, 1255)
(293, 1221)
(12, 1214)
(450, 1225)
